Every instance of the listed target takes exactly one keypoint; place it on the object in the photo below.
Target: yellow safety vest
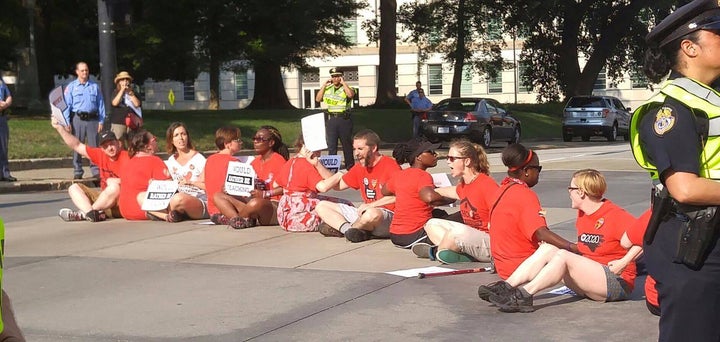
(336, 99)
(704, 103)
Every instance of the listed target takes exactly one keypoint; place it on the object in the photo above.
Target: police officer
(336, 94)
(85, 113)
(676, 136)
(5, 102)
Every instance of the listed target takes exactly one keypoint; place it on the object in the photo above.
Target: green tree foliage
(561, 35)
(461, 30)
(13, 31)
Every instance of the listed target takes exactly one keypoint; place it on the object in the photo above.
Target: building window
(467, 81)
(241, 86)
(350, 74)
(495, 84)
(600, 82)
(435, 79)
(639, 80)
(350, 31)
(311, 76)
(523, 73)
(189, 90)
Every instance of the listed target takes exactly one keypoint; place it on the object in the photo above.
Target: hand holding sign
(159, 194)
(240, 179)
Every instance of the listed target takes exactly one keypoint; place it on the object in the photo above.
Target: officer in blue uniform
(5, 102)
(85, 112)
(674, 135)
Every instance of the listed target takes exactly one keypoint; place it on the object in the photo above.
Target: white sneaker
(68, 214)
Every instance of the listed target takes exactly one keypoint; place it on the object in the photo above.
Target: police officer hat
(697, 15)
(335, 72)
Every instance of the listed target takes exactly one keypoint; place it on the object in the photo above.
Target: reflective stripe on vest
(696, 96)
(336, 99)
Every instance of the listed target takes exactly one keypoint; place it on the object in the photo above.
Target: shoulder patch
(664, 120)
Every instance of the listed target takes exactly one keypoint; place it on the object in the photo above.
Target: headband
(527, 161)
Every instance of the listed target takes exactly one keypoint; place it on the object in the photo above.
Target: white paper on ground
(159, 194)
(413, 272)
(57, 105)
(313, 129)
(563, 290)
(441, 180)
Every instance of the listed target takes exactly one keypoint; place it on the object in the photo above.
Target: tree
(560, 35)
(386, 93)
(12, 30)
(460, 30)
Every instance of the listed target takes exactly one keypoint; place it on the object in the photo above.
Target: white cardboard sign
(240, 179)
(313, 129)
(159, 194)
(331, 162)
(57, 105)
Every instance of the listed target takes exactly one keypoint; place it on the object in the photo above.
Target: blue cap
(697, 15)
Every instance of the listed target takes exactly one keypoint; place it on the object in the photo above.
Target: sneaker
(328, 231)
(514, 301)
(447, 256)
(496, 288)
(220, 219)
(68, 214)
(174, 216)
(95, 215)
(242, 223)
(357, 235)
(424, 250)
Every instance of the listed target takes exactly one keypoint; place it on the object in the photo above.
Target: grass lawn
(31, 136)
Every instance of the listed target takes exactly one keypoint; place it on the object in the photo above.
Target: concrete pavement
(153, 281)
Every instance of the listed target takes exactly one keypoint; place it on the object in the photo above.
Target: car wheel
(585, 138)
(486, 137)
(612, 135)
(516, 137)
(567, 137)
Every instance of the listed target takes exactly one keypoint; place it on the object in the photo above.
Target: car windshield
(586, 102)
(456, 105)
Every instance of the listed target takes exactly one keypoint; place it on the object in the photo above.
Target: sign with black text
(240, 179)
(159, 194)
(331, 162)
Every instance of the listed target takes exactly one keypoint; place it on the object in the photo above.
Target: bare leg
(260, 209)
(228, 205)
(330, 213)
(108, 197)
(79, 198)
(187, 204)
(530, 268)
(369, 219)
(12, 332)
(584, 276)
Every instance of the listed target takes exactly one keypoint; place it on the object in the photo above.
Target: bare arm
(546, 235)
(437, 196)
(689, 188)
(328, 183)
(69, 139)
(348, 91)
(6, 104)
(617, 266)
(321, 93)
(118, 97)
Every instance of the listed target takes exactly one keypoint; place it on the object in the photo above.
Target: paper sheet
(441, 180)
(563, 290)
(57, 105)
(313, 129)
(413, 272)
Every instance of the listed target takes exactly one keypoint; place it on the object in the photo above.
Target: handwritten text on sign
(240, 179)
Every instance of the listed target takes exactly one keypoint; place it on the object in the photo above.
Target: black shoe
(8, 179)
(357, 235)
(496, 288)
(77, 177)
(515, 301)
(328, 231)
(95, 216)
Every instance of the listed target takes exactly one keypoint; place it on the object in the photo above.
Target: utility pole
(27, 85)
(106, 40)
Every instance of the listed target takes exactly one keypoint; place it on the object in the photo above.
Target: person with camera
(336, 95)
(125, 104)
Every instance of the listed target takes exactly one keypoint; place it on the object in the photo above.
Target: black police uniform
(689, 299)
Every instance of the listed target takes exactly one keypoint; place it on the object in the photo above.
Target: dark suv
(587, 116)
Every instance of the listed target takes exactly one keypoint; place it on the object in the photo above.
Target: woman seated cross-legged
(602, 271)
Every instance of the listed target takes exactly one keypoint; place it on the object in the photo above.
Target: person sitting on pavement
(468, 240)
(517, 221)
(634, 237)
(411, 212)
(261, 207)
(137, 173)
(228, 142)
(603, 270)
(302, 178)
(372, 218)
(185, 165)
(94, 205)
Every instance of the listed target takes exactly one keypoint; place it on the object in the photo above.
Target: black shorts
(408, 240)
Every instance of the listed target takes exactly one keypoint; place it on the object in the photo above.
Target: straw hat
(123, 75)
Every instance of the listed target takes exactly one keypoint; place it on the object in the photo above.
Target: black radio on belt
(85, 116)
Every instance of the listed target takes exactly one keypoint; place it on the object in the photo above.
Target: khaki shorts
(471, 241)
(382, 230)
(93, 194)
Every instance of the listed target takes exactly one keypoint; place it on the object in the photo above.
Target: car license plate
(443, 129)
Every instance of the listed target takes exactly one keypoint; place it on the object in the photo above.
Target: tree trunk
(214, 83)
(459, 54)
(269, 88)
(386, 92)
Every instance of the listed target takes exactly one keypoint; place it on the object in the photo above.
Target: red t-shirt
(474, 198)
(216, 167)
(298, 175)
(411, 212)
(370, 180)
(135, 178)
(108, 168)
(267, 170)
(599, 236)
(513, 223)
(635, 233)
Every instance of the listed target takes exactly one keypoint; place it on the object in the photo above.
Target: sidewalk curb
(48, 185)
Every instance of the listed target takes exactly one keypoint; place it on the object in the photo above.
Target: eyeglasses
(452, 158)
(259, 139)
(571, 188)
(238, 140)
(536, 167)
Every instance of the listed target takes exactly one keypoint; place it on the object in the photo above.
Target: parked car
(479, 119)
(587, 116)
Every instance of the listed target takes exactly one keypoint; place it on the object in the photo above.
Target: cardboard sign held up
(58, 105)
(240, 179)
(331, 162)
(313, 130)
(159, 194)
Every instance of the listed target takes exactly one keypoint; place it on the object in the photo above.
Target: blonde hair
(591, 182)
(474, 152)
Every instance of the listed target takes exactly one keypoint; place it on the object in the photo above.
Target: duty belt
(85, 116)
